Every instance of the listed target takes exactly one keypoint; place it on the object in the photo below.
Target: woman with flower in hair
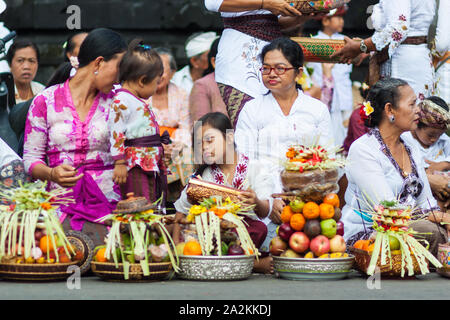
(382, 166)
(429, 137)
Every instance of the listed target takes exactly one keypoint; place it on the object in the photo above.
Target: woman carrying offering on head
(67, 134)
(381, 166)
(136, 143)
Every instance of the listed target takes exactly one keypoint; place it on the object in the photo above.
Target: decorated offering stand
(218, 245)
(316, 6)
(394, 251)
(138, 247)
(33, 245)
(310, 244)
(444, 259)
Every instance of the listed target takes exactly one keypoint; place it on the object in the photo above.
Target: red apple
(320, 245)
(277, 246)
(299, 242)
(340, 228)
(337, 244)
(285, 231)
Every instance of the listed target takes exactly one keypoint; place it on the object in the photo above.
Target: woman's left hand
(350, 51)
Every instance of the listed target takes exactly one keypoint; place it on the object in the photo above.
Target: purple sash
(155, 141)
(90, 202)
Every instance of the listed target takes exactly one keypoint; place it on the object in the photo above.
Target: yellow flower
(196, 210)
(368, 110)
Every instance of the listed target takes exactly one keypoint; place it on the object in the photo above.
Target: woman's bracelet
(51, 174)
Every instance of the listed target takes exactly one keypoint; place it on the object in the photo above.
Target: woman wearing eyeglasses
(269, 124)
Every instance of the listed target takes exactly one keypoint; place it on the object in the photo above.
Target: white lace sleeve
(213, 5)
(397, 17)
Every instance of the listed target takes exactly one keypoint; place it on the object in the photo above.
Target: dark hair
(140, 61)
(70, 45)
(437, 100)
(216, 120)
(212, 54)
(21, 44)
(100, 42)
(383, 92)
(290, 50)
(168, 52)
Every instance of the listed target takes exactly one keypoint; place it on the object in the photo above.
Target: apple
(277, 246)
(340, 228)
(337, 244)
(297, 205)
(394, 244)
(285, 231)
(299, 242)
(329, 228)
(235, 250)
(289, 253)
(320, 245)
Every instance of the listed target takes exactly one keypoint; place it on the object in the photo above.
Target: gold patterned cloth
(433, 115)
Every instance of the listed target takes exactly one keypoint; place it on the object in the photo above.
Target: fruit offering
(394, 236)
(30, 230)
(310, 172)
(137, 235)
(220, 229)
(311, 230)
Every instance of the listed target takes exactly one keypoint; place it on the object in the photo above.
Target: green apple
(289, 253)
(394, 244)
(329, 228)
(297, 205)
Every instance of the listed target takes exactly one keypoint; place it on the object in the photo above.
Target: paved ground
(258, 287)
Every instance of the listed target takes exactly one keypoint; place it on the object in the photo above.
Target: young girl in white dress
(222, 164)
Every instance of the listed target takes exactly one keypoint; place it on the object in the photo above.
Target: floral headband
(433, 115)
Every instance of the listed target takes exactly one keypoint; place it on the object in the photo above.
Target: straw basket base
(107, 271)
(36, 272)
(362, 261)
(85, 244)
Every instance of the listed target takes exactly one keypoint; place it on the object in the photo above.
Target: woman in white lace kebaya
(400, 40)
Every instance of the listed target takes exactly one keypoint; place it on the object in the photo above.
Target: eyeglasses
(279, 70)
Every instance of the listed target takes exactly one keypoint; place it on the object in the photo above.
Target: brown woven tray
(108, 272)
(198, 190)
(315, 6)
(362, 261)
(35, 272)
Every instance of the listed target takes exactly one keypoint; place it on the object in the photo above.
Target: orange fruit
(286, 214)
(333, 199)
(100, 256)
(192, 248)
(370, 247)
(326, 211)
(359, 244)
(366, 245)
(46, 244)
(297, 222)
(311, 210)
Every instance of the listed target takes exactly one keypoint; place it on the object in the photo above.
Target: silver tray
(313, 269)
(213, 268)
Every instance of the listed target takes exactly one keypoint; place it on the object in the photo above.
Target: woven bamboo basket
(36, 272)
(107, 271)
(316, 6)
(198, 190)
(362, 261)
(319, 50)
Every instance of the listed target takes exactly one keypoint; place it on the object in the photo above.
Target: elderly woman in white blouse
(381, 166)
(400, 40)
(284, 116)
